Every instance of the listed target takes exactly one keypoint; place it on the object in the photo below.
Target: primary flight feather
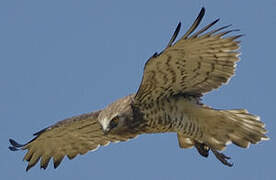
(168, 100)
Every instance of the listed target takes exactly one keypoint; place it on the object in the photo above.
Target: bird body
(187, 117)
(168, 101)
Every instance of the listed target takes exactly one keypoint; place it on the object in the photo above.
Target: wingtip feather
(15, 146)
(202, 10)
(12, 148)
(28, 168)
(195, 24)
(177, 29)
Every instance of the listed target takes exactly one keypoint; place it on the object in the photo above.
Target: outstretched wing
(196, 64)
(73, 136)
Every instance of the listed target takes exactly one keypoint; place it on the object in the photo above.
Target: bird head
(116, 116)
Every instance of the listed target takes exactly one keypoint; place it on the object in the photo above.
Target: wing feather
(70, 137)
(195, 64)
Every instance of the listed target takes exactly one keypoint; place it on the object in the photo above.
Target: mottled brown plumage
(168, 100)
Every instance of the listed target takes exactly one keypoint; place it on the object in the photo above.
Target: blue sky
(63, 58)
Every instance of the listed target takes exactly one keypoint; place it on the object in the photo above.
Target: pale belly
(176, 114)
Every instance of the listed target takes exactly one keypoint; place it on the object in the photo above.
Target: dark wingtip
(56, 164)
(201, 13)
(30, 165)
(178, 26)
(218, 19)
(177, 29)
(28, 168)
(202, 10)
(195, 24)
(43, 167)
(57, 161)
(15, 144)
(238, 36)
(12, 148)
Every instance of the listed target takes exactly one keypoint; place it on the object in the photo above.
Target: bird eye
(114, 122)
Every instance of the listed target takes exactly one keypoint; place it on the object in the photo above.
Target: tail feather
(237, 126)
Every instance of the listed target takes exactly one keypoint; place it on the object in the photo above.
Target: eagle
(168, 101)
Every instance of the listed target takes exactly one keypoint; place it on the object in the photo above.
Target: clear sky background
(61, 58)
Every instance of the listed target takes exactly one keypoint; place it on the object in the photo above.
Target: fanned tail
(222, 127)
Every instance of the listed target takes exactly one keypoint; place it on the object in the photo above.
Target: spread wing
(70, 137)
(195, 64)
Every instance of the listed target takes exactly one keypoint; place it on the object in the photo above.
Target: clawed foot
(223, 158)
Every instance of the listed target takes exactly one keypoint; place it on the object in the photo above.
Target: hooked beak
(106, 131)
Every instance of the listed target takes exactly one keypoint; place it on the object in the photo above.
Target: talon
(222, 158)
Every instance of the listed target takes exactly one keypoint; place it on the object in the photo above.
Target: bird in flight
(168, 100)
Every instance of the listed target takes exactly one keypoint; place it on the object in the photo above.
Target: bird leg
(202, 149)
(222, 158)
